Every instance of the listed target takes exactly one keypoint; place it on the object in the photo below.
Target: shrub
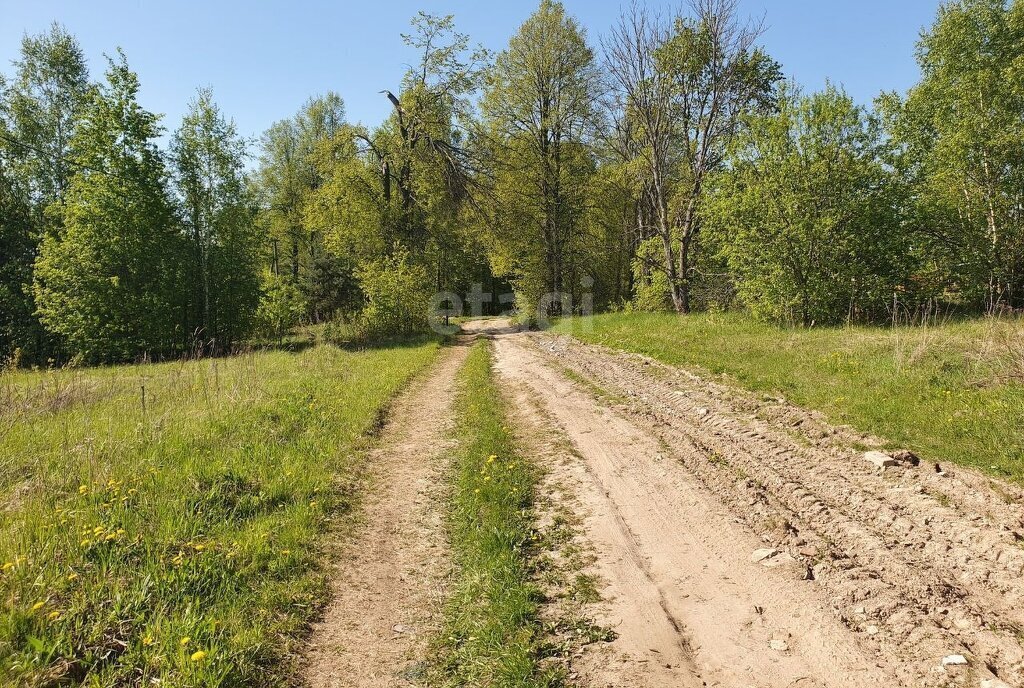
(397, 298)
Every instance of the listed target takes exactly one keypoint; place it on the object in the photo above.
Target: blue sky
(263, 59)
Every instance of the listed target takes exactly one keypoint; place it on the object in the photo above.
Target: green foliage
(950, 392)
(959, 138)
(17, 248)
(684, 91)
(47, 98)
(491, 634)
(397, 296)
(110, 282)
(161, 511)
(807, 214)
(281, 306)
(220, 220)
(651, 289)
(538, 109)
(39, 112)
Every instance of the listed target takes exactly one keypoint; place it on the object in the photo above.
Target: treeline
(666, 165)
(109, 247)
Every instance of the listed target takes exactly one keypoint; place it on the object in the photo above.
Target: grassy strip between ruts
(953, 391)
(492, 634)
(159, 523)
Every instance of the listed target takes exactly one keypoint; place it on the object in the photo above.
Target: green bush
(281, 307)
(397, 300)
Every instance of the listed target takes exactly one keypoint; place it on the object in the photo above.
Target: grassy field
(953, 391)
(158, 523)
(492, 635)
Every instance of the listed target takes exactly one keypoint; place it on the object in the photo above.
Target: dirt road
(744, 542)
(389, 576)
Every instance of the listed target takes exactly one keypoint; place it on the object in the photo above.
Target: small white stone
(872, 630)
(954, 660)
(762, 554)
(779, 645)
(778, 560)
(993, 683)
(879, 460)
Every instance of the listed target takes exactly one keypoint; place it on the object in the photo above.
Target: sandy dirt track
(744, 542)
(389, 577)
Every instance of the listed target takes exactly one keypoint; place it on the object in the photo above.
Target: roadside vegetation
(492, 634)
(952, 391)
(160, 523)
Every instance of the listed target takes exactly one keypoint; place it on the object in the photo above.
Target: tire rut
(741, 623)
(921, 564)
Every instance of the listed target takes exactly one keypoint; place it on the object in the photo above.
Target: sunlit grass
(158, 523)
(491, 635)
(953, 391)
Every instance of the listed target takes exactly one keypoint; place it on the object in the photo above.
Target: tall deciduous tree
(17, 252)
(111, 282)
(40, 110)
(48, 94)
(227, 252)
(684, 89)
(539, 114)
(961, 139)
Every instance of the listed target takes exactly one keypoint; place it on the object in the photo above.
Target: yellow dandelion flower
(185, 641)
(72, 576)
(198, 656)
(38, 605)
(147, 640)
(476, 491)
(53, 616)
(86, 542)
(82, 489)
(8, 565)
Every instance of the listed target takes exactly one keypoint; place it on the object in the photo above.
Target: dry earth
(739, 541)
(388, 579)
(745, 542)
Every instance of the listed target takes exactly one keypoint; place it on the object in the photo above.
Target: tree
(39, 111)
(808, 214)
(960, 137)
(18, 328)
(47, 98)
(110, 282)
(683, 92)
(539, 114)
(209, 159)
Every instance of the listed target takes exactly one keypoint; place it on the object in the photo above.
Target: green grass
(949, 392)
(159, 523)
(492, 636)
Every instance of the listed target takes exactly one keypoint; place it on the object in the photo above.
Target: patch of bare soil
(780, 555)
(389, 577)
(605, 613)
